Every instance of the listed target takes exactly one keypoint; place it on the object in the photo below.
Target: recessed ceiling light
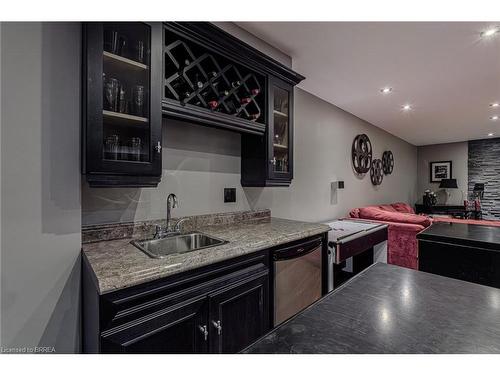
(386, 90)
(491, 134)
(406, 107)
(494, 105)
(490, 32)
(494, 118)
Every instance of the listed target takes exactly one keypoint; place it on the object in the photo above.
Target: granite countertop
(118, 264)
(390, 309)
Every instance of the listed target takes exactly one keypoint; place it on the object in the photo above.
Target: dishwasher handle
(296, 251)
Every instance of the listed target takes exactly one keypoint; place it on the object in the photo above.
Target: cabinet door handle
(218, 326)
(158, 147)
(204, 330)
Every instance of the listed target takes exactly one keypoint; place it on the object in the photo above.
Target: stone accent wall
(484, 166)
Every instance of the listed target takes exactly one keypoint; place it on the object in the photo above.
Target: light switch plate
(229, 195)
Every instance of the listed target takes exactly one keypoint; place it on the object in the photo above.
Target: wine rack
(198, 78)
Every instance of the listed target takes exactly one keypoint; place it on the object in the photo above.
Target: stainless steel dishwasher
(297, 278)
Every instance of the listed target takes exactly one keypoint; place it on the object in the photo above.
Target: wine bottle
(245, 100)
(255, 91)
(235, 84)
(254, 116)
(213, 104)
(198, 83)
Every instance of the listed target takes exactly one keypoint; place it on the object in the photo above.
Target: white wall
(199, 162)
(40, 185)
(458, 153)
(322, 153)
(255, 42)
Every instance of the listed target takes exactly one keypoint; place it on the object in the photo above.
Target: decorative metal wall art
(387, 162)
(361, 154)
(376, 172)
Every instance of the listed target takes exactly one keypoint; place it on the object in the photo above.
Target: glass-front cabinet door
(122, 128)
(280, 130)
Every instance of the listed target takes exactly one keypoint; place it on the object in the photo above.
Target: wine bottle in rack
(244, 101)
(254, 116)
(255, 91)
(197, 81)
(213, 104)
(235, 84)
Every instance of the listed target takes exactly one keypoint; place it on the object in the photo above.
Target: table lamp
(448, 183)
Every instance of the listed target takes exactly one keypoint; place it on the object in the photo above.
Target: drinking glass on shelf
(111, 94)
(138, 100)
(135, 149)
(122, 106)
(122, 45)
(139, 51)
(111, 41)
(277, 103)
(111, 146)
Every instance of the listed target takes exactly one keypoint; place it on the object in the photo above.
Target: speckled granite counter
(118, 264)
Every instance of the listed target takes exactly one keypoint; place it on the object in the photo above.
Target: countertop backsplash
(146, 229)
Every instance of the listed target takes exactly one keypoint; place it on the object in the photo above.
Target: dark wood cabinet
(121, 127)
(135, 73)
(239, 314)
(214, 79)
(179, 329)
(268, 160)
(221, 308)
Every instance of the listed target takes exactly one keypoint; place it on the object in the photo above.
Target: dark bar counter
(390, 309)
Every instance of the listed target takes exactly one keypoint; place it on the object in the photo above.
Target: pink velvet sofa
(404, 224)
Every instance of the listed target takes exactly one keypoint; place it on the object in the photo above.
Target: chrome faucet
(171, 203)
(165, 231)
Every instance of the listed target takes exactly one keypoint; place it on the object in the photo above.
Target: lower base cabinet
(238, 316)
(219, 309)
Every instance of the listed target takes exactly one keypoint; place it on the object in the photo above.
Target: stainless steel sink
(183, 243)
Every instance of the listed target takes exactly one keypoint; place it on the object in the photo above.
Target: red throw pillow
(403, 207)
(372, 213)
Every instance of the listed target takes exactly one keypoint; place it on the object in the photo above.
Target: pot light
(491, 134)
(494, 105)
(386, 90)
(494, 118)
(406, 107)
(490, 32)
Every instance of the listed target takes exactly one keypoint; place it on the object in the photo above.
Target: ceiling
(445, 70)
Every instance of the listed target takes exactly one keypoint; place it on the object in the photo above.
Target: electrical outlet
(229, 195)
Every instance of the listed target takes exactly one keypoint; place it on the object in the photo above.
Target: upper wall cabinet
(122, 104)
(268, 160)
(210, 77)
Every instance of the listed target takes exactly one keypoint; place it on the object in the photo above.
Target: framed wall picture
(440, 170)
